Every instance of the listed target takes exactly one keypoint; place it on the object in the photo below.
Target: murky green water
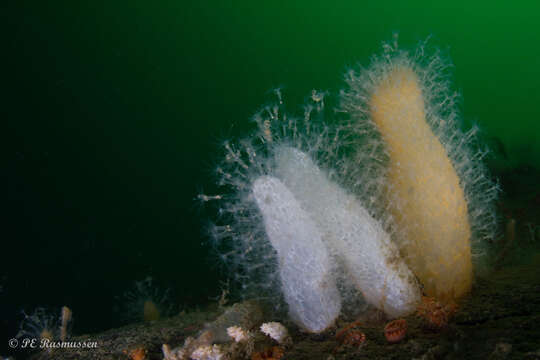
(115, 113)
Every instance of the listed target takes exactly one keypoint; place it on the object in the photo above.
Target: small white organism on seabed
(276, 331)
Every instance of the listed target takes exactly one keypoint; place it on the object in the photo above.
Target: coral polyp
(40, 324)
(437, 192)
(239, 234)
(146, 301)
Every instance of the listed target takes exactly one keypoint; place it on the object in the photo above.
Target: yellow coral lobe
(150, 311)
(46, 334)
(430, 207)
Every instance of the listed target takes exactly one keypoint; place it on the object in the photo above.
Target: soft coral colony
(388, 203)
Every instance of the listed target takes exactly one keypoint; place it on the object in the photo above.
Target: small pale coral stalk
(208, 352)
(238, 334)
(277, 331)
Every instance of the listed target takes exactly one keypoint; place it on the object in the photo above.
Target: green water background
(114, 112)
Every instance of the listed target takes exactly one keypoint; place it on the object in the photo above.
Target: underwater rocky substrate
(498, 320)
